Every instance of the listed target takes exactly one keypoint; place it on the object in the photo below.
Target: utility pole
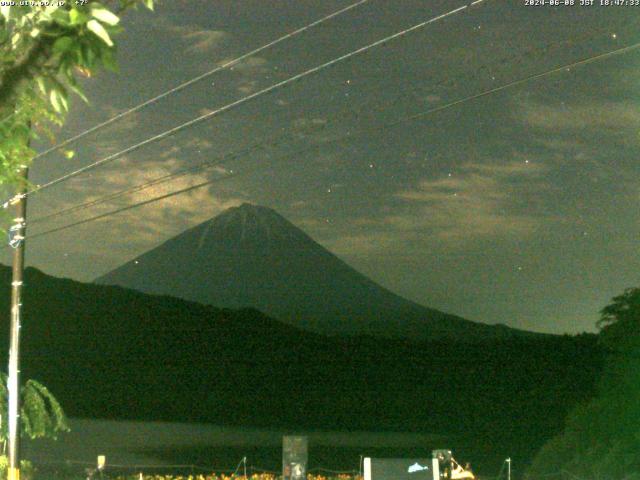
(17, 234)
(508, 468)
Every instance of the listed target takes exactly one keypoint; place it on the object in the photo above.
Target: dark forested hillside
(109, 352)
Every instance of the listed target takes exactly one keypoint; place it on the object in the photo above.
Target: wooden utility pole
(17, 234)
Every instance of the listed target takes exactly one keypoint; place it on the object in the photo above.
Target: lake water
(150, 446)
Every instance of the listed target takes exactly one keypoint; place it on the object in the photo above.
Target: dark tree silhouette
(602, 437)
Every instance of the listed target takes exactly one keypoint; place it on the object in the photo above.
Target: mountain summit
(250, 256)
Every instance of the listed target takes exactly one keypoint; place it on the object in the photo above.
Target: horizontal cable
(349, 136)
(196, 79)
(241, 101)
(277, 140)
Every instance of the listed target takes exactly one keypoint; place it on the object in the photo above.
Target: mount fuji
(250, 256)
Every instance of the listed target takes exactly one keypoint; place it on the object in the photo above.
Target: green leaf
(88, 55)
(75, 89)
(148, 4)
(109, 60)
(98, 30)
(105, 16)
(5, 11)
(41, 85)
(77, 17)
(60, 15)
(58, 101)
(62, 44)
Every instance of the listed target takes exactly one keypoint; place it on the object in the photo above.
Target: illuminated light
(614, 36)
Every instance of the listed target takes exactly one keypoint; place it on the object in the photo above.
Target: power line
(349, 136)
(585, 61)
(242, 100)
(198, 78)
(135, 205)
(271, 142)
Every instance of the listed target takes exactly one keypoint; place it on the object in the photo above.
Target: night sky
(519, 207)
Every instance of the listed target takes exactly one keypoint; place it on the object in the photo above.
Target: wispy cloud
(604, 116)
(583, 134)
(199, 40)
(478, 200)
(144, 227)
(250, 72)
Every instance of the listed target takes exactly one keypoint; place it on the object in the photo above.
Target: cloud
(478, 200)
(604, 116)
(251, 70)
(583, 135)
(250, 65)
(364, 244)
(141, 228)
(200, 40)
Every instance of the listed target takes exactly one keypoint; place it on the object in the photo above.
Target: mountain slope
(250, 256)
(110, 352)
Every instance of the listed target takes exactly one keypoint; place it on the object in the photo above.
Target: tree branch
(14, 77)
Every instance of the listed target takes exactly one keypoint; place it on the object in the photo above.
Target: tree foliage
(44, 51)
(45, 47)
(620, 321)
(602, 437)
(40, 413)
